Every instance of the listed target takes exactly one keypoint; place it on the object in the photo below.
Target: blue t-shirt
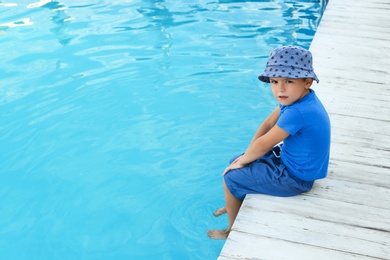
(305, 151)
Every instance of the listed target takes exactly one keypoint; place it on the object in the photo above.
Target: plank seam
(317, 246)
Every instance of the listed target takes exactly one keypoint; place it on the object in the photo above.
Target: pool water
(118, 117)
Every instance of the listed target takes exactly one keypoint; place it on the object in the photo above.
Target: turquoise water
(118, 117)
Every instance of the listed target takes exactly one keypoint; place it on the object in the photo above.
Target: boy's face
(287, 91)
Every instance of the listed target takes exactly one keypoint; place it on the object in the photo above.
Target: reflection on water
(117, 117)
(60, 18)
(46, 3)
(21, 22)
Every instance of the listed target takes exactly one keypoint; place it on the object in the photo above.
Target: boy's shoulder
(305, 107)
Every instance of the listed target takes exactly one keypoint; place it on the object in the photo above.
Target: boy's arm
(263, 144)
(267, 136)
(267, 124)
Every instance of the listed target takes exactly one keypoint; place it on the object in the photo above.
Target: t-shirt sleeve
(290, 120)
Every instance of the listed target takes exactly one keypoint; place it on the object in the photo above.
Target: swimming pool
(117, 118)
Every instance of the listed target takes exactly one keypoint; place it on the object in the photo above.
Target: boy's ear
(308, 82)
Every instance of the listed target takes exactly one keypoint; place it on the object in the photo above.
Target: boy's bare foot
(220, 212)
(218, 234)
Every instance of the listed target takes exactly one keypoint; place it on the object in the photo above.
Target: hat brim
(286, 72)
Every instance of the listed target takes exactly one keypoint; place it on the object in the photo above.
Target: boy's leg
(232, 207)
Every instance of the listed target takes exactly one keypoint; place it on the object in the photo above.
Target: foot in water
(218, 234)
(220, 212)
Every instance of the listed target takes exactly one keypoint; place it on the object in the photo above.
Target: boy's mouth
(283, 97)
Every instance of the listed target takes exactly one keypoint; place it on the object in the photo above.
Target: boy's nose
(281, 87)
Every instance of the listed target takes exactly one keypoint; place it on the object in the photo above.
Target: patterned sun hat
(289, 62)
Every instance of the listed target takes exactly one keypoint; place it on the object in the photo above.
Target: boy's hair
(289, 62)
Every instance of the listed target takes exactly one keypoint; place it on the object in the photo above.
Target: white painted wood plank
(360, 151)
(359, 103)
(369, 13)
(349, 124)
(346, 69)
(356, 149)
(381, 4)
(358, 173)
(378, 57)
(332, 80)
(370, 16)
(360, 137)
(274, 222)
(338, 22)
(347, 73)
(360, 110)
(322, 209)
(350, 152)
(358, 9)
(360, 64)
(344, 28)
(359, 126)
(362, 95)
(344, 77)
(249, 246)
(350, 192)
(361, 144)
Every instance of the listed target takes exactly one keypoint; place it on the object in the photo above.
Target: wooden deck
(347, 215)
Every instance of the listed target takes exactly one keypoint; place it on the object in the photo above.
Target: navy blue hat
(289, 62)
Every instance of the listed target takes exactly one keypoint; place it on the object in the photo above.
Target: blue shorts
(266, 175)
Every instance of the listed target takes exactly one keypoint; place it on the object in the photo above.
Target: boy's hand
(234, 165)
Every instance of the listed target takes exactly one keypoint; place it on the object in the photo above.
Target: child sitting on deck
(300, 121)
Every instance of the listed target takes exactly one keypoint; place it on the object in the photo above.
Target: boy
(300, 121)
